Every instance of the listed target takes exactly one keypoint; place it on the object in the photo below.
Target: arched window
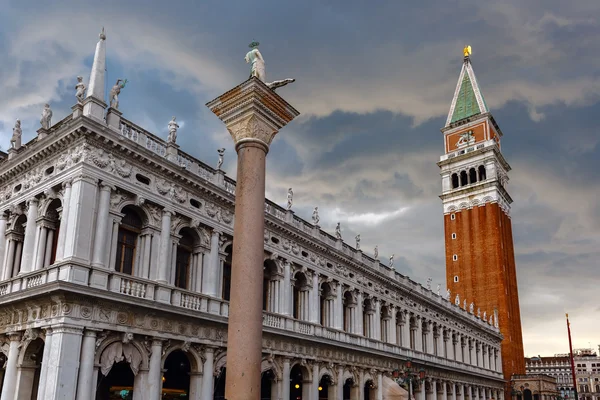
(384, 323)
(413, 332)
(226, 289)
(129, 230)
(482, 176)
(185, 248)
(472, 175)
(400, 321)
(14, 249)
(463, 178)
(300, 296)
(326, 298)
(348, 304)
(368, 314)
(454, 181)
(271, 285)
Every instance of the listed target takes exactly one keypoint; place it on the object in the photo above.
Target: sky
(374, 82)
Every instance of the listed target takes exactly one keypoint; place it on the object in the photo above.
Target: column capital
(168, 212)
(106, 187)
(86, 178)
(14, 336)
(66, 184)
(91, 332)
(32, 201)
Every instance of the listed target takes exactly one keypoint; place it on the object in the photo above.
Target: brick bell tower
(480, 260)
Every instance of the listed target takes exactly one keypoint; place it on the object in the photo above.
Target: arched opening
(413, 332)
(326, 300)
(300, 299)
(454, 181)
(298, 388)
(463, 178)
(349, 388)
(266, 385)
(472, 175)
(482, 175)
(325, 387)
(271, 286)
(219, 393)
(527, 395)
(176, 378)
(183, 260)
(29, 370)
(400, 321)
(118, 384)
(369, 390)
(348, 305)
(14, 250)
(368, 315)
(226, 289)
(536, 396)
(129, 231)
(49, 230)
(384, 323)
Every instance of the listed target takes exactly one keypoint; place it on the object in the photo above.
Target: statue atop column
(115, 91)
(46, 120)
(257, 62)
(80, 90)
(221, 152)
(15, 140)
(357, 238)
(391, 261)
(173, 126)
(290, 198)
(376, 252)
(315, 216)
(338, 231)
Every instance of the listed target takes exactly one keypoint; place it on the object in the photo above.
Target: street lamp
(408, 376)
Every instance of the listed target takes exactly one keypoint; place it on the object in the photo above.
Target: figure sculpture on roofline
(315, 216)
(221, 152)
(391, 261)
(46, 119)
(115, 91)
(376, 252)
(448, 294)
(471, 306)
(357, 238)
(257, 69)
(338, 231)
(173, 126)
(80, 90)
(457, 300)
(290, 198)
(15, 140)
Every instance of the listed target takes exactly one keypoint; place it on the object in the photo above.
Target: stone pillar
(419, 335)
(392, 334)
(29, 241)
(462, 392)
(339, 385)
(165, 242)
(102, 223)
(211, 282)
(339, 308)
(41, 247)
(63, 362)
(376, 324)
(82, 209)
(287, 289)
(2, 244)
(444, 391)
(10, 375)
(286, 379)
(406, 331)
(379, 392)
(313, 312)
(439, 342)
(315, 382)
(44, 366)
(359, 314)
(253, 117)
(195, 386)
(430, 349)
(49, 242)
(208, 374)
(434, 390)
(155, 374)
(86, 368)
(62, 231)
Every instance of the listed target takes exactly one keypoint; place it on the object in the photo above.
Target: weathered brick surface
(486, 273)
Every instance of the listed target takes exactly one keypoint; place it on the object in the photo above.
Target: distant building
(558, 367)
(587, 374)
(534, 387)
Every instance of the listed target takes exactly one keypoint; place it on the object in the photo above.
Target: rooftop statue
(257, 62)
(448, 294)
(221, 155)
(471, 307)
(338, 231)
(376, 252)
(173, 126)
(115, 91)
(391, 261)
(15, 140)
(429, 283)
(457, 300)
(315, 216)
(290, 198)
(46, 119)
(357, 238)
(438, 289)
(80, 90)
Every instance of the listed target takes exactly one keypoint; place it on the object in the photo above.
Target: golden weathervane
(467, 51)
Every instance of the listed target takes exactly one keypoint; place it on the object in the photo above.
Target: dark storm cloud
(374, 85)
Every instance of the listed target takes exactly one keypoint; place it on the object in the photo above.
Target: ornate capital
(251, 130)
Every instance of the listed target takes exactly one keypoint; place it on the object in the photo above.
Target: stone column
(339, 386)
(44, 366)
(419, 335)
(63, 362)
(29, 241)
(462, 392)
(430, 344)
(165, 242)
(359, 314)
(253, 116)
(208, 374)
(10, 375)
(287, 289)
(376, 325)
(315, 382)
(48, 253)
(41, 248)
(406, 331)
(102, 223)
(155, 373)
(86, 368)
(210, 282)
(444, 391)
(286, 379)
(439, 341)
(195, 386)
(62, 231)
(313, 313)
(339, 308)
(82, 210)
(2, 244)
(379, 395)
(9, 261)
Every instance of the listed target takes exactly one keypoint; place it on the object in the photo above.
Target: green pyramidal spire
(468, 100)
